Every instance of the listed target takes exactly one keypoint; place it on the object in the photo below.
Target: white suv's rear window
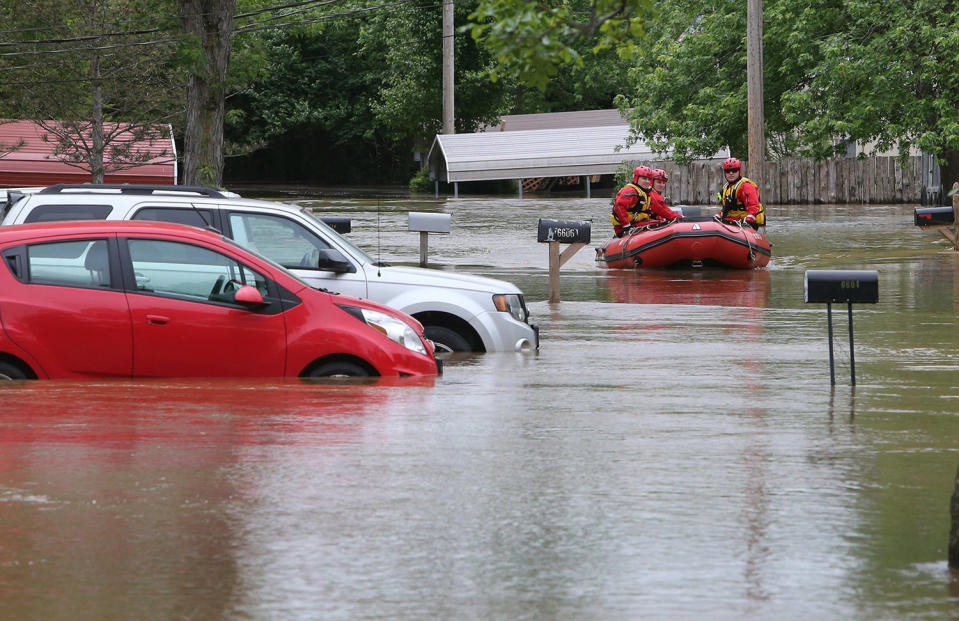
(56, 213)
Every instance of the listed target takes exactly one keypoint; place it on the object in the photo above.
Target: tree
(210, 23)
(95, 74)
(689, 96)
(531, 39)
(347, 98)
(876, 72)
(880, 72)
(408, 98)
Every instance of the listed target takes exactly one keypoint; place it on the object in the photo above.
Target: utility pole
(754, 87)
(448, 115)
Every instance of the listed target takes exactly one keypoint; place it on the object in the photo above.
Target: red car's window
(188, 271)
(75, 263)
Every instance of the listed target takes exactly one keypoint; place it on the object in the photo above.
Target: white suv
(459, 312)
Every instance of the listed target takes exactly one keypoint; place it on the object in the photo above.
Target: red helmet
(732, 164)
(642, 171)
(659, 173)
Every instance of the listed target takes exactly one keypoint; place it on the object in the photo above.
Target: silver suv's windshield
(323, 225)
(270, 261)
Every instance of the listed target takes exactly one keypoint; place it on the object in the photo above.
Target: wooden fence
(803, 180)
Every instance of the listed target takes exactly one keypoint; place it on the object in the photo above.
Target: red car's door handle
(157, 320)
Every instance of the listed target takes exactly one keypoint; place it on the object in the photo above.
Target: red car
(96, 299)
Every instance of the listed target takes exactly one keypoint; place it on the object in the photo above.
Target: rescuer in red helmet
(636, 203)
(740, 196)
(659, 184)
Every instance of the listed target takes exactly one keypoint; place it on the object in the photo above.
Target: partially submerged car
(151, 299)
(459, 312)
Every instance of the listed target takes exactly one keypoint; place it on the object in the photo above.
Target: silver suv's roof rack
(133, 188)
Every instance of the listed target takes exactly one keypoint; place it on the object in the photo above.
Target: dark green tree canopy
(874, 71)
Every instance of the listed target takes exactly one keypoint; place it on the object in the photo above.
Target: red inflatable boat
(694, 241)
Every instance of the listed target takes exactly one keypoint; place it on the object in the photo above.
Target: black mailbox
(338, 223)
(859, 286)
(564, 231)
(931, 216)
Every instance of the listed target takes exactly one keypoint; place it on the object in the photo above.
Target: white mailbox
(424, 222)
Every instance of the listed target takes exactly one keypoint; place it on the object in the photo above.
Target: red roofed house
(34, 163)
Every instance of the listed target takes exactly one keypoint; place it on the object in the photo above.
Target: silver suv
(459, 312)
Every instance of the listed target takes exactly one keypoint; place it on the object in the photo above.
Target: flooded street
(674, 450)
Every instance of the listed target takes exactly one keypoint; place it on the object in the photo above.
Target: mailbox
(564, 231)
(828, 286)
(424, 222)
(931, 216)
(338, 223)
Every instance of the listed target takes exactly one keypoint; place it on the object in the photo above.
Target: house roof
(546, 152)
(34, 163)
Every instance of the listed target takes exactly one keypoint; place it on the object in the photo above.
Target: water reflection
(674, 450)
(120, 492)
(705, 287)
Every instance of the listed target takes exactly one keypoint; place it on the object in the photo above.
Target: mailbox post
(842, 286)
(427, 223)
(576, 233)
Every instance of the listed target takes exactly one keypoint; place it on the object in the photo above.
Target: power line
(301, 6)
(241, 30)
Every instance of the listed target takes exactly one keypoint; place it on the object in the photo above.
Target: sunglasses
(731, 170)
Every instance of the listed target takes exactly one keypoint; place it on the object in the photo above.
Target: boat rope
(742, 229)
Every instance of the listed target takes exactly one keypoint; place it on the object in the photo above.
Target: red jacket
(634, 204)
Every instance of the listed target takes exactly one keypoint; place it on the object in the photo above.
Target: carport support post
(587, 187)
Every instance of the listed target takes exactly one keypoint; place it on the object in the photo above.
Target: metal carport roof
(560, 152)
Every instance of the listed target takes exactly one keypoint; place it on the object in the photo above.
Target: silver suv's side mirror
(332, 260)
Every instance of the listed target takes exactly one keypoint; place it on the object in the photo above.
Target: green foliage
(874, 71)
(408, 102)
(530, 40)
(690, 93)
(420, 183)
(369, 91)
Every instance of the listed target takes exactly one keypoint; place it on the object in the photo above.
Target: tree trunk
(96, 132)
(212, 22)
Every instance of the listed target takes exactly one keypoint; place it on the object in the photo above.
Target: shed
(34, 164)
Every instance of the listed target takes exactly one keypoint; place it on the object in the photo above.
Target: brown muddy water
(674, 450)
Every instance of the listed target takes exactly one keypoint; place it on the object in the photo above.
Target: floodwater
(674, 450)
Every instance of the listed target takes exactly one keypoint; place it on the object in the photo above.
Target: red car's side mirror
(248, 295)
